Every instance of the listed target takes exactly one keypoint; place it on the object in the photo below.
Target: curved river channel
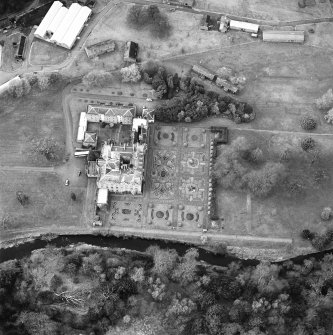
(137, 244)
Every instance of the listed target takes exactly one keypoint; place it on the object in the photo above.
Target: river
(137, 244)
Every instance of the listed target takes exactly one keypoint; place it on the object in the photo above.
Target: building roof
(111, 111)
(102, 196)
(148, 114)
(131, 50)
(90, 138)
(50, 15)
(282, 36)
(61, 25)
(202, 71)
(244, 25)
(100, 48)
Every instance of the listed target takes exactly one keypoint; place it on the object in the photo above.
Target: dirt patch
(43, 53)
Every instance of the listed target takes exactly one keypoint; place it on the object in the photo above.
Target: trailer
(244, 26)
(202, 72)
(81, 153)
(228, 87)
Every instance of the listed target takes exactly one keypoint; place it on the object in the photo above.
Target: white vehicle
(97, 224)
(254, 35)
(67, 182)
(148, 99)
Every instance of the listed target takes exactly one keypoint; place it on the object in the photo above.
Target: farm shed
(131, 52)
(283, 36)
(61, 25)
(100, 48)
(244, 26)
(20, 49)
(228, 87)
(202, 72)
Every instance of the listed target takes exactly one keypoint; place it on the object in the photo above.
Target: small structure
(185, 3)
(62, 26)
(82, 127)
(224, 24)
(221, 133)
(202, 72)
(148, 115)
(90, 140)
(227, 86)
(102, 197)
(101, 48)
(244, 26)
(283, 36)
(131, 52)
(20, 50)
(204, 22)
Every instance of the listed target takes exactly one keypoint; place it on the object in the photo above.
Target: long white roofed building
(61, 25)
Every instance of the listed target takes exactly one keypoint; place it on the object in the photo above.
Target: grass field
(43, 53)
(285, 10)
(8, 62)
(185, 34)
(282, 214)
(29, 118)
(49, 200)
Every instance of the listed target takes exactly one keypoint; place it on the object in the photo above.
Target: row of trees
(149, 17)
(31, 81)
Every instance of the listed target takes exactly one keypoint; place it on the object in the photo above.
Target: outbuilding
(293, 36)
(202, 72)
(244, 26)
(62, 26)
(102, 197)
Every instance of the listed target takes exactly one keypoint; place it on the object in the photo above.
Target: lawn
(43, 53)
(49, 200)
(27, 119)
(185, 34)
(282, 214)
(8, 53)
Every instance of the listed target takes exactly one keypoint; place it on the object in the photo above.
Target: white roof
(52, 12)
(283, 35)
(56, 22)
(80, 134)
(66, 23)
(76, 27)
(83, 119)
(244, 25)
(102, 196)
(138, 122)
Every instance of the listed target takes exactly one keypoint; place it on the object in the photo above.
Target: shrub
(131, 73)
(326, 213)
(307, 235)
(326, 100)
(308, 143)
(320, 242)
(308, 123)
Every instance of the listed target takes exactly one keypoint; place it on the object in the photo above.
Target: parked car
(67, 182)
(148, 99)
(97, 223)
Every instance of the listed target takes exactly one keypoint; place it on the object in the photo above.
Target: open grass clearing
(9, 62)
(23, 120)
(276, 10)
(185, 34)
(43, 53)
(49, 200)
(282, 214)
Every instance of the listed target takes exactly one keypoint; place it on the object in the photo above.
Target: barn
(244, 26)
(283, 36)
(202, 72)
(62, 26)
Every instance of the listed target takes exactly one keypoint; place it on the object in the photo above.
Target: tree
(326, 214)
(262, 182)
(19, 88)
(308, 123)
(22, 198)
(326, 100)
(215, 316)
(185, 271)
(131, 73)
(97, 78)
(308, 143)
(43, 82)
(164, 260)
